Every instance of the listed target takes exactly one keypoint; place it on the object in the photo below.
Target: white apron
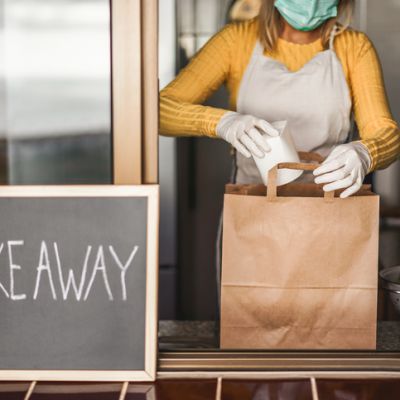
(315, 100)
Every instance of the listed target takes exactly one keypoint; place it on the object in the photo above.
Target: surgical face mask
(307, 15)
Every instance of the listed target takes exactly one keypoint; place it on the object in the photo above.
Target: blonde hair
(270, 22)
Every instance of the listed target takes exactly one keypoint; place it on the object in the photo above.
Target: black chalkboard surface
(78, 282)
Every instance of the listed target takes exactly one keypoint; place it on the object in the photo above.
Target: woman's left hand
(344, 168)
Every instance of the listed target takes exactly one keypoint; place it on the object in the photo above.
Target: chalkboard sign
(78, 282)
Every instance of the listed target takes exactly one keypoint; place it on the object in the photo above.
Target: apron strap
(258, 49)
(332, 37)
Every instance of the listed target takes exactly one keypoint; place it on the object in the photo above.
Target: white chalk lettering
(71, 278)
(123, 267)
(1, 285)
(14, 267)
(44, 265)
(100, 265)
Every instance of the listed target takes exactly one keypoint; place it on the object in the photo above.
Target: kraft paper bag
(299, 270)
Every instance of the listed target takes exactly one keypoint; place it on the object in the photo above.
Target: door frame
(134, 49)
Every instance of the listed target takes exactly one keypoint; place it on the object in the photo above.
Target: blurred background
(55, 98)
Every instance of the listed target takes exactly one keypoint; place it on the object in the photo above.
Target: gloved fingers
(265, 127)
(241, 149)
(340, 184)
(351, 190)
(334, 160)
(251, 146)
(330, 166)
(334, 176)
(258, 139)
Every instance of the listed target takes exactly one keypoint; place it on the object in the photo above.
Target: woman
(296, 63)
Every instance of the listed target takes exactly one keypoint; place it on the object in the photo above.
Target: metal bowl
(390, 278)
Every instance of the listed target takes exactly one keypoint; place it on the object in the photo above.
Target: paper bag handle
(309, 156)
(272, 190)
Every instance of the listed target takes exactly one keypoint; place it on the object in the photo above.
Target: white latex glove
(244, 133)
(345, 167)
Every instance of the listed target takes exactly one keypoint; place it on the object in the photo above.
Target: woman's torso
(314, 99)
(293, 56)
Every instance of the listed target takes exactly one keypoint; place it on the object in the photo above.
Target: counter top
(204, 335)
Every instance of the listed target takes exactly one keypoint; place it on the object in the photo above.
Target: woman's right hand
(244, 133)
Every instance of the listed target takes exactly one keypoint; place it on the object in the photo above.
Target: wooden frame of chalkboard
(93, 193)
(124, 390)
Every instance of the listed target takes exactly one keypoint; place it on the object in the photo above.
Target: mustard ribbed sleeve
(223, 59)
(181, 112)
(378, 131)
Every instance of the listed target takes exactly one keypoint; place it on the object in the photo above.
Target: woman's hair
(270, 22)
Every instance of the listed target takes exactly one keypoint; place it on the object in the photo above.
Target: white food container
(282, 150)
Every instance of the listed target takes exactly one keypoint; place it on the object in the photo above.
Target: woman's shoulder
(240, 30)
(353, 42)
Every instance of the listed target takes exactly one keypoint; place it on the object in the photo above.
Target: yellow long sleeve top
(224, 58)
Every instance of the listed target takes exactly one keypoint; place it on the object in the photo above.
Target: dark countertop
(204, 335)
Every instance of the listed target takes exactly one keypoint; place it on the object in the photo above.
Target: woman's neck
(290, 34)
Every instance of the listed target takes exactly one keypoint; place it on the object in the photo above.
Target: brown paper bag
(299, 270)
